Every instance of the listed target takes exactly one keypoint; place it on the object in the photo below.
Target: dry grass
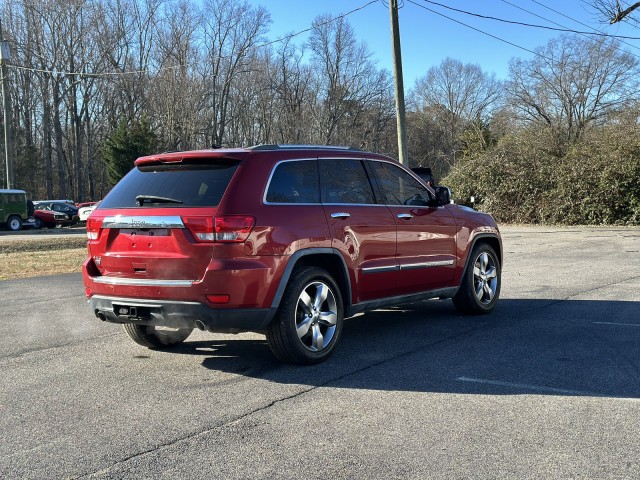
(35, 257)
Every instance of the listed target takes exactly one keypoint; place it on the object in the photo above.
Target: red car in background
(51, 213)
(48, 219)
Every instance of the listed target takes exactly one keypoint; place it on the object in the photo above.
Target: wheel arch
(490, 239)
(328, 259)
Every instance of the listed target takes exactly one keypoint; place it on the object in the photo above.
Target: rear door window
(294, 182)
(183, 185)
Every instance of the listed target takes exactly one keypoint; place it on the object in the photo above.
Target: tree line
(95, 83)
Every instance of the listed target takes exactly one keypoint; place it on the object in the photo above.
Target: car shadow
(528, 347)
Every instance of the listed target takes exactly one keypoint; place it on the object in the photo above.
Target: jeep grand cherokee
(283, 240)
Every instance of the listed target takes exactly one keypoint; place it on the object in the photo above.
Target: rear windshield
(172, 185)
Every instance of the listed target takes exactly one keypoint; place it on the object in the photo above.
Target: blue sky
(428, 38)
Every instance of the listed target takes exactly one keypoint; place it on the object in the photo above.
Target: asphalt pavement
(547, 386)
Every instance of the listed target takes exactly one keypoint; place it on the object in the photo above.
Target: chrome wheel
(309, 320)
(485, 278)
(480, 283)
(316, 316)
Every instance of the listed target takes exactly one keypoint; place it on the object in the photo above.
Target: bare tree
(612, 11)
(231, 31)
(127, 36)
(572, 84)
(450, 99)
(291, 87)
(176, 92)
(346, 79)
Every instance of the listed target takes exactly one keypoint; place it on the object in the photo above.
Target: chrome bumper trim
(142, 282)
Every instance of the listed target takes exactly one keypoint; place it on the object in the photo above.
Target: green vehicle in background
(14, 209)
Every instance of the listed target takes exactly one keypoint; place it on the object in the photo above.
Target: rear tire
(309, 321)
(156, 337)
(480, 287)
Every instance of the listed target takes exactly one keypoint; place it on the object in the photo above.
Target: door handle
(342, 215)
(405, 216)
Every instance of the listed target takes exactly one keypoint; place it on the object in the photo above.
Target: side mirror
(443, 195)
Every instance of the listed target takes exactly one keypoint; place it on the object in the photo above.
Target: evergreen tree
(128, 142)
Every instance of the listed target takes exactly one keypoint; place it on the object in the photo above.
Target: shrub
(522, 180)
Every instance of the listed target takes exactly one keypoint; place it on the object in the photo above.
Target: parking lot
(547, 386)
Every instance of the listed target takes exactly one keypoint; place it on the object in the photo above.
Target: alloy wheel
(316, 316)
(485, 278)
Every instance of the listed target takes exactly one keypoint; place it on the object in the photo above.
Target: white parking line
(619, 324)
(524, 386)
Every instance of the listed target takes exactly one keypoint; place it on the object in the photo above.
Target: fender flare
(475, 240)
(293, 260)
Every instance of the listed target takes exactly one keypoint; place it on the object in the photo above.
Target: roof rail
(301, 147)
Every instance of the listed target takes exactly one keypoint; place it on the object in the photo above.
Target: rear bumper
(177, 314)
(249, 283)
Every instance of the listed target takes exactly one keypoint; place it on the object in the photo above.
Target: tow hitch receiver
(132, 312)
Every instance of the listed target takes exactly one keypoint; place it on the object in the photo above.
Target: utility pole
(5, 55)
(397, 73)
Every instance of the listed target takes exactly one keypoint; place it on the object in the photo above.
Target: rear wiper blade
(141, 199)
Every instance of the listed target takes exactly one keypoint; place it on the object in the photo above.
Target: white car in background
(84, 212)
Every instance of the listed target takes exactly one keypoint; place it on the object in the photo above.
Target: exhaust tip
(200, 325)
(101, 316)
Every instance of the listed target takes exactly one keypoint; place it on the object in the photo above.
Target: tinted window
(399, 187)
(345, 181)
(192, 185)
(63, 207)
(14, 198)
(295, 182)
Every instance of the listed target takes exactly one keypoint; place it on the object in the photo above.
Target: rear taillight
(94, 225)
(233, 228)
(200, 227)
(226, 228)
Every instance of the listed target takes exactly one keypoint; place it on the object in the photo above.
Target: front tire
(14, 223)
(480, 287)
(309, 321)
(156, 337)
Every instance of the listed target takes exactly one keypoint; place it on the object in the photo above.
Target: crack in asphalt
(44, 300)
(600, 287)
(54, 347)
(271, 404)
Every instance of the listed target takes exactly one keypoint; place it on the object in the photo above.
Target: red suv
(283, 240)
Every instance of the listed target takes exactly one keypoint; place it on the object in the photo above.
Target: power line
(480, 31)
(512, 22)
(570, 18)
(136, 72)
(544, 18)
(287, 37)
(573, 19)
